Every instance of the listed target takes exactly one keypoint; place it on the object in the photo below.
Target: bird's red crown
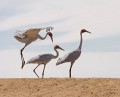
(49, 33)
(57, 46)
(83, 30)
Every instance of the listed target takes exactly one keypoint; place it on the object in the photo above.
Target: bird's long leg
(70, 69)
(43, 70)
(22, 58)
(35, 69)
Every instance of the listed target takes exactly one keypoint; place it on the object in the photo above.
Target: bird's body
(29, 36)
(72, 56)
(43, 59)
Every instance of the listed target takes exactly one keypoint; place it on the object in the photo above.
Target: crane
(30, 36)
(44, 59)
(74, 55)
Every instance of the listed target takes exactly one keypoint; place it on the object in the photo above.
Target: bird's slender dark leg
(22, 58)
(71, 69)
(35, 69)
(43, 71)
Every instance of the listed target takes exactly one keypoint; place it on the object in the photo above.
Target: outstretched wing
(32, 32)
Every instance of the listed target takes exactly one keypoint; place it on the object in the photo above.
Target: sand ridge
(60, 87)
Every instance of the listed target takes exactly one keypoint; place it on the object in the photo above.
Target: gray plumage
(72, 56)
(43, 59)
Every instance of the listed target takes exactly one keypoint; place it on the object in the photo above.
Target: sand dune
(57, 87)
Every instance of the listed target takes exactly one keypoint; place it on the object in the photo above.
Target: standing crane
(74, 55)
(30, 36)
(44, 59)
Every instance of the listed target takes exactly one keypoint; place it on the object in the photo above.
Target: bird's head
(84, 30)
(58, 47)
(51, 35)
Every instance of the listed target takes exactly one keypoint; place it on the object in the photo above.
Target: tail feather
(60, 61)
(28, 62)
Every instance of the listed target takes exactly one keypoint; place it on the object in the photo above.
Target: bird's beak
(88, 32)
(51, 38)
(61, 48)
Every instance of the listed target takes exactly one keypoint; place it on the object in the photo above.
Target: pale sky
(100, 51)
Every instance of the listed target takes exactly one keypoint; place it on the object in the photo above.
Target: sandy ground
(57, 87)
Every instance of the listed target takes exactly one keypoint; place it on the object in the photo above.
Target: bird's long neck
(81, 40)
(57, 54)
(42, 38)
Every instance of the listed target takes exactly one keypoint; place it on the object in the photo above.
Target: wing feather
(70, 57)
